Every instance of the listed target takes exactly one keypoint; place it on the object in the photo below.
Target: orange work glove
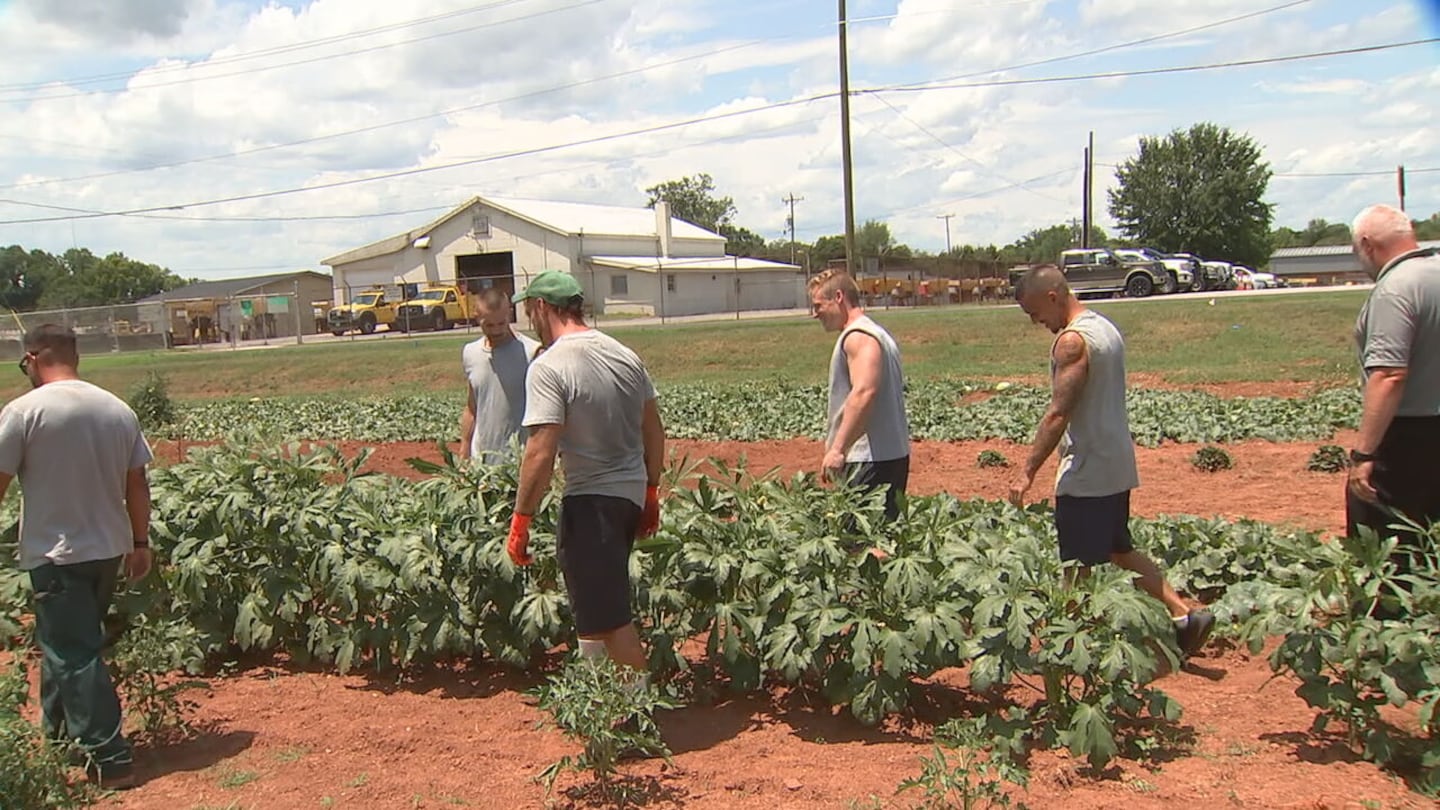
(650, 515)
(518, 545)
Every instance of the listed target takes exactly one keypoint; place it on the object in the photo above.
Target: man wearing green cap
(589, 398)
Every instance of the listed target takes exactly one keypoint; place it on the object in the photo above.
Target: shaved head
(1044, 295)
(1042, 279)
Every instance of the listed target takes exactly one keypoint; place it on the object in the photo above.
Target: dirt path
(279, 739)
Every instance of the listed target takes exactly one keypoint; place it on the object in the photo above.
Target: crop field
(336, 622)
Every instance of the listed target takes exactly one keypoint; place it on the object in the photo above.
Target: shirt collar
(1409, 254)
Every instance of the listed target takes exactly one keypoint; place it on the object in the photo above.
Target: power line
(400, 122)
(1377, 173)
(572, 85)
(327, 57)
(1268, 60)
(1114, 47)
(942, 142)
(248, 55)
(714, 117)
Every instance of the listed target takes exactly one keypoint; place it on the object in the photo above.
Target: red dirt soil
(280, 737)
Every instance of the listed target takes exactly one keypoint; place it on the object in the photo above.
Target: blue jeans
(77, 697)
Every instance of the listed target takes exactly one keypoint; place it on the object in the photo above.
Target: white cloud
(1004, 160)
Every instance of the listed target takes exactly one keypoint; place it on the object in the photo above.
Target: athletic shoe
(1196, 631)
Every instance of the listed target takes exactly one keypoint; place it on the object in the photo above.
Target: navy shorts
(593, 541)
(1091, 529)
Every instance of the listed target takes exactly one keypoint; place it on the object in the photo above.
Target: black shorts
(894, 474)
(593, 544)
(1091, 529)
(1405, 465)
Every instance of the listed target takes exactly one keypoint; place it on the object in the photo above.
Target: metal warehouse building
(629, 260)
(1325, 264)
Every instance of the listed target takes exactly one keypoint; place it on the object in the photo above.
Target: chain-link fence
(98, 330)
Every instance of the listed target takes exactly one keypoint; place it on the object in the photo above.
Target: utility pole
(792, 199)
(847, 170)
(947, 218)
(1400, 183)
(1088, 216)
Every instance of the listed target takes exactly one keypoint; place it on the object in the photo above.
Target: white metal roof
(1328, 250)
(591, 219)
(561, 217)
(707, 264)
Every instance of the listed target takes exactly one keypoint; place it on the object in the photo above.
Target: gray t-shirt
(71, 443)
(1097, 452)
(497, 382)
(597, 388)
(1399, 327)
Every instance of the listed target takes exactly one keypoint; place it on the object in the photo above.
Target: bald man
(1394, 462)
(1086, 419)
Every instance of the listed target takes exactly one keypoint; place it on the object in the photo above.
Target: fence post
(296, 299)
(114, 335)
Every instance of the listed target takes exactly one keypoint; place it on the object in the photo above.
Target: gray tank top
(887, 435)
(1097, 452)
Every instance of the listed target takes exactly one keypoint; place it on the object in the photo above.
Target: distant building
(1324, 264)
(629, 260)
(240, 309)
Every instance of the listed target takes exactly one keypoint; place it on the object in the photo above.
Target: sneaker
(1193, 635)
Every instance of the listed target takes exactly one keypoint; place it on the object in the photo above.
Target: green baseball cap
(553, 287)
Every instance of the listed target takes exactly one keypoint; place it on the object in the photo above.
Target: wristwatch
(1357, 457)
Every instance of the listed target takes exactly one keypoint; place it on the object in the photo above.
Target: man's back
(71, 443)
(597, 388)
(1399, 327)
(1097, 453)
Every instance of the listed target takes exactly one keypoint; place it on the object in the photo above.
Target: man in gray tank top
(867, 439)
(1086, 419)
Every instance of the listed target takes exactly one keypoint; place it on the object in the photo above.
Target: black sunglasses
(25, 363)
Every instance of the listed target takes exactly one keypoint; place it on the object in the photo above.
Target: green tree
(693, 199)
(825, 249)
(1199, 190)
(744, 242)
(79, 278)
(1427, 229)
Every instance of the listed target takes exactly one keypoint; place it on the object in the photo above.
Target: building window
(669, 282)
(619, 284)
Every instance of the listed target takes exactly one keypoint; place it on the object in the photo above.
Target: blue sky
(209, 80)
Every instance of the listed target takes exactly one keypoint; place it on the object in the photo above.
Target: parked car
(1206, 278)
(1181, 277)
(1256, 279)
(1099, 271)
(1223, 273)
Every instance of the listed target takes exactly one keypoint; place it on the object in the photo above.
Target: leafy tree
(31, 280)
(1045, 244)
(745, 242)
(1320, 232)
(1427, 229)
(1199, 190)
(825, 249)
(693, 199)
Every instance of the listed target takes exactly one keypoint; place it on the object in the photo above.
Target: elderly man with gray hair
(1395, 460)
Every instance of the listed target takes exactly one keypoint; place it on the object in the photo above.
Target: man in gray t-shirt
(1394, 460)
(80, 457)
(589, 399)
(495, 368)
